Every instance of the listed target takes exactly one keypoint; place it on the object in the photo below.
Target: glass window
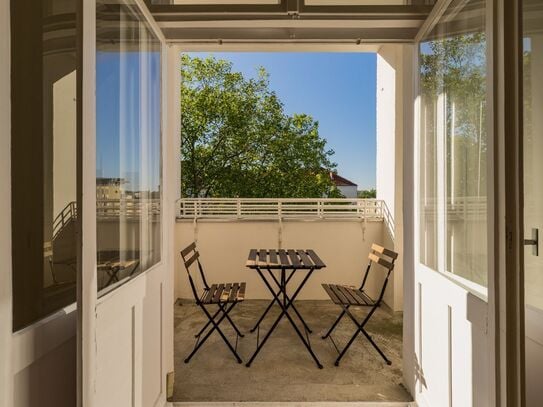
(128, 143)
(43, 158)
(453, 138)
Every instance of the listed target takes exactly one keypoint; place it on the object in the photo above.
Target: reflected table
(285, 263)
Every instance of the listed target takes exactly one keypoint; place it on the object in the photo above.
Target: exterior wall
(342, 245)
(393, 74)
(348, 191)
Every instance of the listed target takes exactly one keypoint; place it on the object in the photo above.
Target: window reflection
(44, 158)
(454, 141)
(128, 143)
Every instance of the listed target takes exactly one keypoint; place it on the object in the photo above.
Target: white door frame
(6, 316)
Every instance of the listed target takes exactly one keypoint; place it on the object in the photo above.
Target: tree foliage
(237, 140)
(367, 193)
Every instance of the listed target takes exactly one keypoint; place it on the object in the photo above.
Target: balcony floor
(284, 370)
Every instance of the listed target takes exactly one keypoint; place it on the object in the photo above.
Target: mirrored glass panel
(43, 158)
(128, 143)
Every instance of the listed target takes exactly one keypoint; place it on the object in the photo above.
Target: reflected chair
(347, 297)
(224, 296)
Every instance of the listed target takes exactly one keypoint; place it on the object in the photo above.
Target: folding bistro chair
(347, 297)
(224, 296)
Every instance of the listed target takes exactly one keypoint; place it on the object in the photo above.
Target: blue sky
(337, 89)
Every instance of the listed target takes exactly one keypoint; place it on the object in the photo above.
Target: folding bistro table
(286, 263)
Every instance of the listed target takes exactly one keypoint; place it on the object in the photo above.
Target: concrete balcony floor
(284, 371)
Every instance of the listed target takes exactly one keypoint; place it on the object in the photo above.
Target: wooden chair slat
(383, 250)
(331, 294)
(348, 293)
(294, 259)
(188, 249)
(241, 293)
(362, 297)
(234, 292)
(218, 293)
(192, 259)
(283, 257)
(209, 297)
(316, 259)
(225, 295)
(376, 259)
(339, 294)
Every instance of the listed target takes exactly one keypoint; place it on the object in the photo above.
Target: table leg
(270, 305)
(285, 304)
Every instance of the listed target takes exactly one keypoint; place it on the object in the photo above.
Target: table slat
(284, 258)
(305, 258)
(273, 257)
(316, 259)
(294, 259)
(263, 257)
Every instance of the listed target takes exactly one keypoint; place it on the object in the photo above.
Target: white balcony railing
(282, 208)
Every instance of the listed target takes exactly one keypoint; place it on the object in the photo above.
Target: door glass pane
(428, 162)
(43, 158)
(128, 143)
(453, 67)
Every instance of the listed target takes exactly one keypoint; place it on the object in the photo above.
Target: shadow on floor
(284, 370)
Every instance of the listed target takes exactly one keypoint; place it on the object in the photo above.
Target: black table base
(285, 302)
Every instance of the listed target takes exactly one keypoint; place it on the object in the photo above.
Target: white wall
(224, 246)
(393, 93)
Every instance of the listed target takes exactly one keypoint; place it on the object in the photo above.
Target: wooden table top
(284, 259)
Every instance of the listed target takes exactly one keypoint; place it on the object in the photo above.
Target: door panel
(452, 233)
(533, 195)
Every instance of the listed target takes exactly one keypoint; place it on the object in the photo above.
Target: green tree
(237, 141)
(367, 193)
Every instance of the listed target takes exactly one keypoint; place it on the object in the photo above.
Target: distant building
(347, 188)
(109, 188)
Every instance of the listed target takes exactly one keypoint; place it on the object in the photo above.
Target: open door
(453, 202)
(533, 197)
(124, 300)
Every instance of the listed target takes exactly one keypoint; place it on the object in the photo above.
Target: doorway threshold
(296, 404)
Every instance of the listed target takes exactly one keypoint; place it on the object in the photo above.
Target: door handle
(534, 242)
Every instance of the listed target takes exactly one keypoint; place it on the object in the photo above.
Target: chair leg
(342, 353)
(388, 362)
(334, 324)
(232, 323)
(360, 329)
(215, 327)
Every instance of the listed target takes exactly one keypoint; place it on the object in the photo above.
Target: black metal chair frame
(377, 255)
(224, 306)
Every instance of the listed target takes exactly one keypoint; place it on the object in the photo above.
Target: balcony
(341, 231)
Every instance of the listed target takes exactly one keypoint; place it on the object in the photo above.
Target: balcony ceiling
(291, 21)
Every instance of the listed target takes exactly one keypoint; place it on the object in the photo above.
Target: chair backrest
(384, 257)
(191, 261)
